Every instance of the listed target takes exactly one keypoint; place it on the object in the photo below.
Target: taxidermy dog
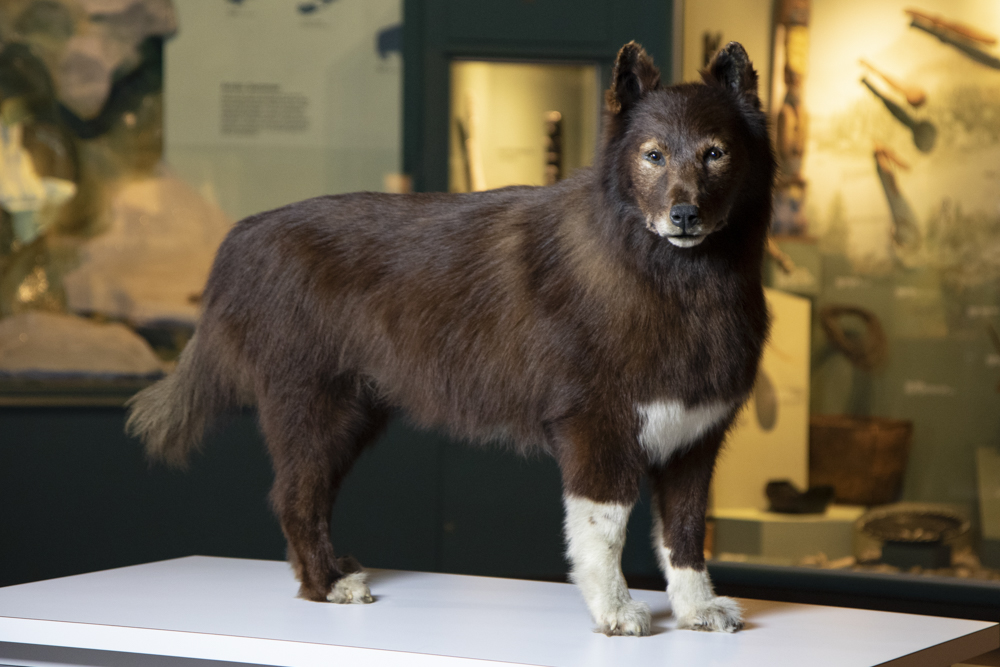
(614, 320)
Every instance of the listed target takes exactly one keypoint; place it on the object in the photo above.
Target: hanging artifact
(790, 191)
(965, 38)
(553, 147)
(870, 351)
(915, 95)
(924, 132)
(906, 235)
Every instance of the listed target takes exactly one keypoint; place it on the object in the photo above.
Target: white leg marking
(595, 536)
(351, 589)
(694, 603)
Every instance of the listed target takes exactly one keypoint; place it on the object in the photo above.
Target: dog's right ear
(634, 75)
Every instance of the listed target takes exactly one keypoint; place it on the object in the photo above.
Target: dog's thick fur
(614, 320)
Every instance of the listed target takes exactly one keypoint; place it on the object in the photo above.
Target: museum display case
(886, 212)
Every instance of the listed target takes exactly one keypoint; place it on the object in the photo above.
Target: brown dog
(614, 320)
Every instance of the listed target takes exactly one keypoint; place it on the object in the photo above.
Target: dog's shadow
(660, 618)
(377, 578)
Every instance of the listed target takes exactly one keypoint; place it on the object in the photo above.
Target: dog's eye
(714, 153)
(655, 156)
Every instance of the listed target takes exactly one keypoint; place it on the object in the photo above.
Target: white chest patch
(669, 426)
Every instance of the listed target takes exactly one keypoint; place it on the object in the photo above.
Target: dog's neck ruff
(668, 426)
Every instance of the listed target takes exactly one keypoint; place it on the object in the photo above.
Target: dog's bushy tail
(170, 416)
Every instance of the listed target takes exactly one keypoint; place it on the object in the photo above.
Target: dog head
(683, 155)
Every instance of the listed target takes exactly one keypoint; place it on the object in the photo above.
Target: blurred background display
(128, 148)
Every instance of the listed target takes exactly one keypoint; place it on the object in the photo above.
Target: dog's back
(615, 320)
(446, 305)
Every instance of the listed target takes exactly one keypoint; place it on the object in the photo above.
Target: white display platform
(245, 611)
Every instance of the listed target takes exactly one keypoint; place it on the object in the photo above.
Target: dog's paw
(351, 589)
(717, 614)
(630, 618)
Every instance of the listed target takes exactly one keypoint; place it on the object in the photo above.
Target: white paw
(630, 618)
(718, 614)
(351, 589)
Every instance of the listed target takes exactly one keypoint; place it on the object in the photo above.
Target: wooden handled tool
(915, 95)
(965, 31)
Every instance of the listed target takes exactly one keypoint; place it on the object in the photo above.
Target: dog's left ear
(731, 68)
(634, 75)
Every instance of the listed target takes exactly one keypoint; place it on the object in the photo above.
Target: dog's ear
(731, 68)
(634, 75)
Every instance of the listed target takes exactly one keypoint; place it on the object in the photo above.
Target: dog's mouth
(677, 235)
(685, 240)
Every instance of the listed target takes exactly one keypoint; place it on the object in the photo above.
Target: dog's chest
(668, 425)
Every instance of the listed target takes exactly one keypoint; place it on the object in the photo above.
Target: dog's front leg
(601, 484)
(680, 498)
(595, 536)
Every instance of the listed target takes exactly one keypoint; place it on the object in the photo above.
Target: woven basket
(862, 458)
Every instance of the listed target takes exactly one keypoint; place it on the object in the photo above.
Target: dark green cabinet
(438, 31)
(78, 495)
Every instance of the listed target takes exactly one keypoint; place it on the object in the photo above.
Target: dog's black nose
(684, 216)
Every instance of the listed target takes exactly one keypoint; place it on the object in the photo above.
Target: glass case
(887, 222)
(134, 133)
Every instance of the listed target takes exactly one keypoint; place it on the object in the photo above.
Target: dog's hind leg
(680, 498)
(315, 430)
(600, 486)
